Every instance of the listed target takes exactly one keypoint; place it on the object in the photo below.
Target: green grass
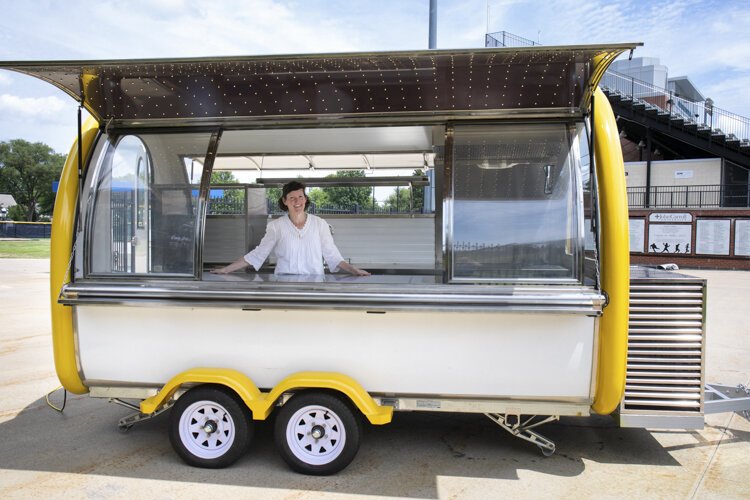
(24, 249)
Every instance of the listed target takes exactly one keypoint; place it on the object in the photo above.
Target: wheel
(317, 433)
(210, 427)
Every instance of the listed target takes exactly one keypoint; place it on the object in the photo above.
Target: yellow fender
(261, 404)
(61, 244)
(614, 256)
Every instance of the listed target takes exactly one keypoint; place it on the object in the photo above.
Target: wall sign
(742, 237)
(712, 237)
(637, 234)
(683, 174)
(670, 217)
(670, 238)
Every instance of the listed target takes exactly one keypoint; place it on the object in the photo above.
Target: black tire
(230, 427)
(317, 413)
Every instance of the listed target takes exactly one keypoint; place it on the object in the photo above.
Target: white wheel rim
(307, 423)
(206, 429)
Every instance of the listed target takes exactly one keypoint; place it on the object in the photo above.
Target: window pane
(514, 203)
(144, 214)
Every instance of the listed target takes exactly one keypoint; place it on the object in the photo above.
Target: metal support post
(522, 429)
(129, 421)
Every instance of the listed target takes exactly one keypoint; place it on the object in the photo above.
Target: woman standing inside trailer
(300, 240)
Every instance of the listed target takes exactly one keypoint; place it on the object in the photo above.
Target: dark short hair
(288, 188)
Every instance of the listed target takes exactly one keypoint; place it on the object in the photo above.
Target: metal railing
(698, 196)
(14, 229)
(703, 115)
(505, 39)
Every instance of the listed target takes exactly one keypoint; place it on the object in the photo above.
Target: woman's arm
(238, 264)
(256, 257)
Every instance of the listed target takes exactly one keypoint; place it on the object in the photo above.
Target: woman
(301, 241)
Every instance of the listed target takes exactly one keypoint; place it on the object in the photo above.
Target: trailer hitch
(726, 398)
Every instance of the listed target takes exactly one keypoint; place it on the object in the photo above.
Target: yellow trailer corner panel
(615, 259)
(63, 229)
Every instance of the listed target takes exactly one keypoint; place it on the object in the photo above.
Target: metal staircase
(686, 128)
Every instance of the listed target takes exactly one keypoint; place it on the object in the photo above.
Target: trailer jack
(520, 428)
(129, 421)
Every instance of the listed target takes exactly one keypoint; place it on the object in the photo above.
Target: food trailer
(500, 285)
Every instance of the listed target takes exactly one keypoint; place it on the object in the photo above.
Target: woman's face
(295, 201)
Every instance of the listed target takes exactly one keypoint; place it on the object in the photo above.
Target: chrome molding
(488, 405)
(338, 296)
(203, 194)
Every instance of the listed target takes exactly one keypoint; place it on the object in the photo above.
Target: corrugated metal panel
(666, 339)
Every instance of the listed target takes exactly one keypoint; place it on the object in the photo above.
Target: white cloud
(38, 108)
(731, 94)
(707, 41)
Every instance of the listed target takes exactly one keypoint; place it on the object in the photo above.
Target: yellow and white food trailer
(500, 286)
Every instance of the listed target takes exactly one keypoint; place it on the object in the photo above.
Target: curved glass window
(515, 216)
(144, 210)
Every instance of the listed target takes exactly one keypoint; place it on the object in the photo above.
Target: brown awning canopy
(331, 85)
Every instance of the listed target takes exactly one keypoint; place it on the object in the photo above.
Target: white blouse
(298, 251)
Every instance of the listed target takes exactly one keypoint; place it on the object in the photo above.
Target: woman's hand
(355, 271)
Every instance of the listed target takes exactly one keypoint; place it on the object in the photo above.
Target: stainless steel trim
(200, 223)
(77, 347)
(333, 120)
(666, 352)
(491, 405)
(574, 156)
(349, 181)
(104, 149)
(594, 359)
(122, 392)
(581, 301)
(268, 58)
(652, 421)
(444, 207)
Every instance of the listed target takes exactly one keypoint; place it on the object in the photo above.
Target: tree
(27, 172)
(223, 177)
(348, 196)
(399, 199)
(231, 201)
(419, 192)
(272, 198)
(318, 197)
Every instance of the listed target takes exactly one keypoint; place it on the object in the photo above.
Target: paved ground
(81, 454)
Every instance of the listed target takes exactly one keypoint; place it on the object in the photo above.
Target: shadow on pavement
(405, 458)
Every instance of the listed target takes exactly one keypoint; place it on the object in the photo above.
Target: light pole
(433, 24)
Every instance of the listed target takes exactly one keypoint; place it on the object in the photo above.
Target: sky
(706, 40)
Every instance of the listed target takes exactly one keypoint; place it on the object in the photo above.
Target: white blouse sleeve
(259, 254)
(328, 248)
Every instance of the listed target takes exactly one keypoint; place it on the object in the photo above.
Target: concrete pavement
(81, 454)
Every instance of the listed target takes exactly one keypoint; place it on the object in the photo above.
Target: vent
(666, 338)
